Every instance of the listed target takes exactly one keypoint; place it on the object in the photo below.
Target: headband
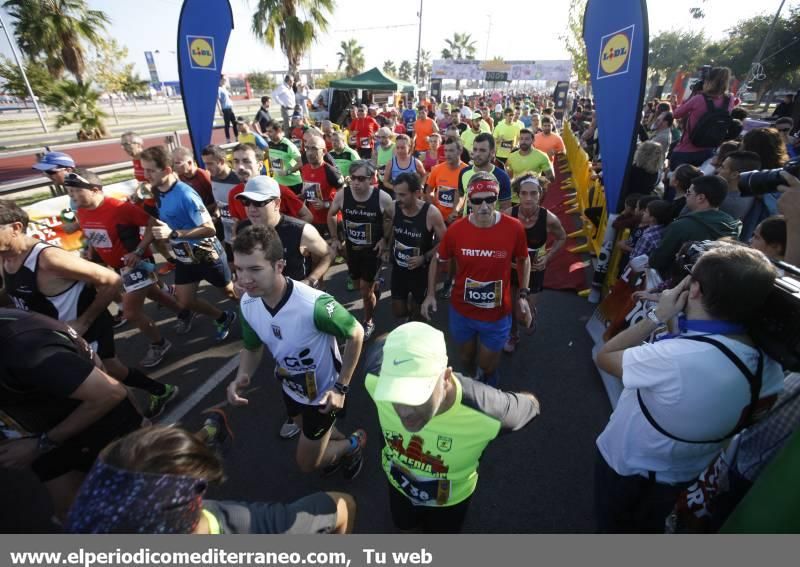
(532, 181)
(484, 186)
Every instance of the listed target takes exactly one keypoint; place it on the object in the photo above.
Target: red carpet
(566, 270)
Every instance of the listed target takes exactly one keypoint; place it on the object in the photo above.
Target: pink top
(694, 108)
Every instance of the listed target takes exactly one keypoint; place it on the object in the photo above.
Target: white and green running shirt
(301, 334)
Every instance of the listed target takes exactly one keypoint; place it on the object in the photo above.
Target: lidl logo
(615, 51)
(201, 52)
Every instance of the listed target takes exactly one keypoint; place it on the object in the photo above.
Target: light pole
(419, 43)
(163, 86)
(24, 76)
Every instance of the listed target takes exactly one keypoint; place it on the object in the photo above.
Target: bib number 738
(421, 492)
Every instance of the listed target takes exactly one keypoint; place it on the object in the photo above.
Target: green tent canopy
(374, 80)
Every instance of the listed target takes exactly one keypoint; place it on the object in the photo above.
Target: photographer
(685, 395)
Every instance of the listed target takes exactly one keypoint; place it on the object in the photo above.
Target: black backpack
(712, 127)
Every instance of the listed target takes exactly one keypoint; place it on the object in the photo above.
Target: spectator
(789, 207)
(715, 89)
(684, 396)
(704, 221)
(768, 144)
(713, 163)
(263, 117)
(647, 163)
(636, 233)
(785, 107)
(735, 204)
(770, 238)
(784, 127)
(662, 130)
(627, 218)
(679, 182)
(656, 216)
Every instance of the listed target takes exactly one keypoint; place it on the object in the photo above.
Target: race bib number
(507, 144)
(224, 211)
(359, 233)
(366, 142)
(535, 253)
(485, 295)
(303, 384)
(421, 492)
(312, 191)
(275, 163)
(447, 196)
(353, 139)
(297, 142)
(403, 253)
(98, 238)
(183, 252)
(137, 278)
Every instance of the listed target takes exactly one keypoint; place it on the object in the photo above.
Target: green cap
(414, 356)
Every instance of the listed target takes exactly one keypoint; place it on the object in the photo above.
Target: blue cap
(54, 160)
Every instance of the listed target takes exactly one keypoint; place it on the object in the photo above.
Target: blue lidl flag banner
(203, 32)
(617, 43)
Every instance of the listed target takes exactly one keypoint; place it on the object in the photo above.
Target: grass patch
(31, 199)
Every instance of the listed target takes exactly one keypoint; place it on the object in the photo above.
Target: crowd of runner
(449, 196)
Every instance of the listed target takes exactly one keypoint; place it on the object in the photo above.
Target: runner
(402, 162)
(321, 181)
(477, 125)
(385, 150)
(527, 158)
(435, 153)
(548, 141)
(46, 279)
(362, 130)
(184, 220)
(442, 183)
(423, 127)
(482, 161)
(195, 177)
(506, 135)
(413, 230)
(284, 158)
(538, 223)
(113, 228)
(436, 424)
(300, 327)
(342, 154)
(408, 117)
(367, 215)
(484, 246)
(223, 179)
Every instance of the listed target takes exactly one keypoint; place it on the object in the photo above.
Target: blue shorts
(491, 334)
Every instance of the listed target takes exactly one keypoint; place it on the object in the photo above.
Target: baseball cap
(260, 188)
(476, 114)
(54, 160)
(414, 356)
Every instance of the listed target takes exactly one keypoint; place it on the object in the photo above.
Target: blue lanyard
(706, 328)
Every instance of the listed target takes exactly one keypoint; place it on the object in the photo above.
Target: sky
(518, 30)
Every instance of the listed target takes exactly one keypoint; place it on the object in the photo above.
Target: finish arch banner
(617, 43)
(203, 32)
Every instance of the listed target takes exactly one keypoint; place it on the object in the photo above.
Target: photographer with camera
(685, 395)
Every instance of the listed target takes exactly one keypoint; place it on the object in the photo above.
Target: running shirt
(500, 175)
(113, 229)
(201, 183)
(396, 170)
(507, 137)
(296, 135)
(182, 209)
(484, 257)
(409, 117)
(535, 235)
(444, 182)
(320, 185)
(301, 334)
(363, 130)
(253, 139)
(468, 136)
(290, 231)
(550, 144)
(138, 170)
(285, 155)
(384, 157)
(411, 235)
(438, 465)
(363, 221)
(536, 161)
(422, 129)
(344, 159)
(221, 189)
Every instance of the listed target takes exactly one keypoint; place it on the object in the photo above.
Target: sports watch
(341, 388)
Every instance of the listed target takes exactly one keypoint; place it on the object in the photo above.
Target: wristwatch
(524, 292)
(45, 444)
(651, 314)
(173, 235)
(341, 388)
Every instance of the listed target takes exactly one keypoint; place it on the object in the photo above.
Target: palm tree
(352, 57)
(405, 70)
(294, 23)
(462, 46)
(53, 31)
(133, 85)
(425, 66)
(389, 67)
(77, 103)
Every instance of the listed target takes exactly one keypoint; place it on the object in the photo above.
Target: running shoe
(224, 329)
(351, 285)
(369, 328)
(158, 403)
(119, 320)
(353, 462)
(216, 429)
(184, 323)
(511, 344)
(166, 268)
(155, 354)
(289, 429)
(338, 260)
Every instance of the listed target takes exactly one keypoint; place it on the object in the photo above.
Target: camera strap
(754, 381)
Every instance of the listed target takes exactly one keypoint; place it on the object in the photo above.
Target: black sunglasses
(360, 178)
(478, 201)
(250, 203)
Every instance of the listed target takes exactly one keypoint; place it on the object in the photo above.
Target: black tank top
(537, 234)
(363, 222)
(411, 235)
(23, 290)
(290, 230)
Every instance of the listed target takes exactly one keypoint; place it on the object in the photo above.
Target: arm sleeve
(333, 319)
(513, 410)
(261, 143)
(249, 337)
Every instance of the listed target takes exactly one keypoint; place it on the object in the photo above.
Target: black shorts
(365, 153)
(217, 273)
(536, 283)
(100, 336)
(426, 519)
(315, 423)
(363, 264)
(405, 282)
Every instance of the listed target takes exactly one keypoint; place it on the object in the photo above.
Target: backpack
(712, 127)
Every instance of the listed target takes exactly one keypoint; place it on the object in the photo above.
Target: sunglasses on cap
(477, 201)
(258, 204)
(72, 179)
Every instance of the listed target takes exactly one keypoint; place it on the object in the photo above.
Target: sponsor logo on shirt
(276, 330)
(478, 253)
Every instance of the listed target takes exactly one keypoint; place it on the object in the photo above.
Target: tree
(389, 67)
(406, 70)
(77, 103)
(109, 70)
(281, 20)
(671, 51)
(134, 85)
(425, 66)
(14, 84)
(461, 46)
(352, 57)
(573, 39)
(324, 81)
(53, 32)
(261, 82)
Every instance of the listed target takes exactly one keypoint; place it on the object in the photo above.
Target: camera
(766, 180)
(777, 328)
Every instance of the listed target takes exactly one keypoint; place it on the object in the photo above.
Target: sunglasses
(478, 201)
(361, 178)
(258, 204)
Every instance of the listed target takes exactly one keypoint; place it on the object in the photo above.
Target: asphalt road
(536, 480)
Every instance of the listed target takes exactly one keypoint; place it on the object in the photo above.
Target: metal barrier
(57, 190)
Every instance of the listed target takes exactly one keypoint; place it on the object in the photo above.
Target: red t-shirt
(320, 184)
(484, 257)
(201, 183)
(399, 129)
(290, 203)
(364, 129)
(138, 170)
(113, 229)
(235, 207)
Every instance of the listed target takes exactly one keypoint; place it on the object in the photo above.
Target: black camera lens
(760, 182)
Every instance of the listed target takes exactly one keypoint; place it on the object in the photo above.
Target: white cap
(260, 188)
